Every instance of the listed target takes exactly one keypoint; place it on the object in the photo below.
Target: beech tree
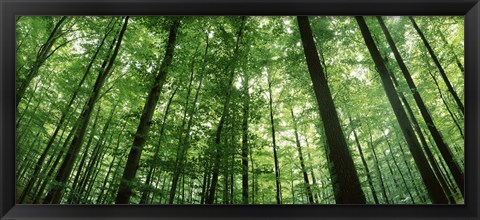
(239, 110)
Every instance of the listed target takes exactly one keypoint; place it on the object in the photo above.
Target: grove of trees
(239, 110)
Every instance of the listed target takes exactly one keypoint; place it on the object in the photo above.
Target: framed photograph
(239, 109)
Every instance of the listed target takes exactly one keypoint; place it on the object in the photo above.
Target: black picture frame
(11, 8)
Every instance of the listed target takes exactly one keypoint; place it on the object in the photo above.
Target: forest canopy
(239, 110)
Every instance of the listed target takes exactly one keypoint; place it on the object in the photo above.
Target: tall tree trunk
(377, 166)
(42, 157)
(27, 105)
(98, 150)
(246, 106)
(442, 146)
(302, 163)
(42, 187)
(145, 193)
(218, 134)
(433, 186)
(440, 69)
(347, 188)
(274, 145)
(421, 136)
(204, 182)
(184, 142)
(253, 176)
(364, 162)
(444, 101)
(73, 192)
(114, 154)
(56, 193)
(398, 168)
(125, 190)
(410, 174)
(182, 148)
(41, 57)
(449, 46)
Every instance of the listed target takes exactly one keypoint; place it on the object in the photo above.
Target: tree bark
(364, 162)
(125, 190)
(433, 186)
(145, 193)
(302, 163)
(41, 57)
(377, 166)
(347, 188)
(440, 69)
(184, 144)
(218, 134)
(274, 145)
(55, 195)
(42, 157)
(442, 146)
(246, 105)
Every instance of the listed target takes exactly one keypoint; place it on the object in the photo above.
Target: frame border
(10, 8)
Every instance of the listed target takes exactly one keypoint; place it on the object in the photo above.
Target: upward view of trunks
(239, 110)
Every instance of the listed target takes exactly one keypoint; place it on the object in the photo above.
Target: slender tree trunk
(377, 166)
(125, 190)
(98, 152)
(444, 101)
(145, 193)
(45, 182)
(421, 136)
(274, 145)
(232, 185)
(182, 148)
(62, 120)
(449, 46)
(73, 193)
(206, 178)
(253, 177)
(441, 70)
(246, 106)
(115, 153)
(433, 186)
(395, 183)
(184, 143)
(442, 146)
(56, 193)
(41, 57)
(398, 168)
(410, 174)
(317, 198)
(20, 116)
(218, 134)
(347, 188)
(302, 163)
(364, 162)
(55, 164)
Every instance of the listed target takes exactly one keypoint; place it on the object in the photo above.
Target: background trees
(239, 110)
